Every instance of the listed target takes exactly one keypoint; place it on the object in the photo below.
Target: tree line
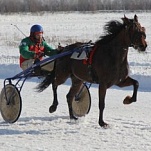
(8, 6)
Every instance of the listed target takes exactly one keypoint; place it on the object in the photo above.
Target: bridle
(135, 34)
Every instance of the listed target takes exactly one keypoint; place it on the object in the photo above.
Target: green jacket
(28, 49)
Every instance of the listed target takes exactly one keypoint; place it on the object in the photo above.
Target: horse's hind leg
(60, 77)
(54, 105)
(128, 82)
(76, 84)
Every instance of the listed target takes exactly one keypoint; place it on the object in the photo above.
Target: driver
(35, 47)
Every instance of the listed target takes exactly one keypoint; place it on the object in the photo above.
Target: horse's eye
(144, 35)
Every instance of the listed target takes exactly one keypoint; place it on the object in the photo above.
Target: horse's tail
(45, 83)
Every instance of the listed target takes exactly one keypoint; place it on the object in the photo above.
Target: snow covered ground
(37, 129)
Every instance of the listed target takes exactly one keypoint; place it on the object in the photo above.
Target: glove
(60, 48)
(39, 54)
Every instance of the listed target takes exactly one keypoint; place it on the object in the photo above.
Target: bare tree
(7, 6)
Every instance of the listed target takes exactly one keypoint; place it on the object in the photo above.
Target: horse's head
(136, 33)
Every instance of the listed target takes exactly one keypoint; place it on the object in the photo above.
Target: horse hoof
(52, 109)
(104, 125)
(73, 118)
(127, 100)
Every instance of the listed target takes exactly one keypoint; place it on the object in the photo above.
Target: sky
(37, 129)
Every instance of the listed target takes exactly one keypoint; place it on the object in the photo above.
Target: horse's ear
(135, 18)
(125, 20)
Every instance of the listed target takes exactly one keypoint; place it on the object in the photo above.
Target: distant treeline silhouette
(8, 6)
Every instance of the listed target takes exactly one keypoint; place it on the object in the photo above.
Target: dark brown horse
(108, 66)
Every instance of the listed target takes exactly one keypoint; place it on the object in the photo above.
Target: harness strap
(89, 63)
(89, 60)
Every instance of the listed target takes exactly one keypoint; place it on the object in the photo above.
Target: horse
(107, 66)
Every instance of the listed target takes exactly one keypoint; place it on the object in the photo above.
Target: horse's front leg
(128, 82)
(54, 105)
(102, 94)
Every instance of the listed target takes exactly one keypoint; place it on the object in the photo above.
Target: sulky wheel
(82, 102)
(10, 103)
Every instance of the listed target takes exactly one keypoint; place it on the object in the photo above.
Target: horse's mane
(73, 46)
(111, 29)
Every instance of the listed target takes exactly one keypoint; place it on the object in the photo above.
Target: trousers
(28, 63)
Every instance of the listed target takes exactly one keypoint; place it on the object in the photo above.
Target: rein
(130, 35)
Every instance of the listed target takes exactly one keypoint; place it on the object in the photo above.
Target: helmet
(36, 28)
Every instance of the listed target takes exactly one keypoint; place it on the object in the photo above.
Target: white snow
(37, 129)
